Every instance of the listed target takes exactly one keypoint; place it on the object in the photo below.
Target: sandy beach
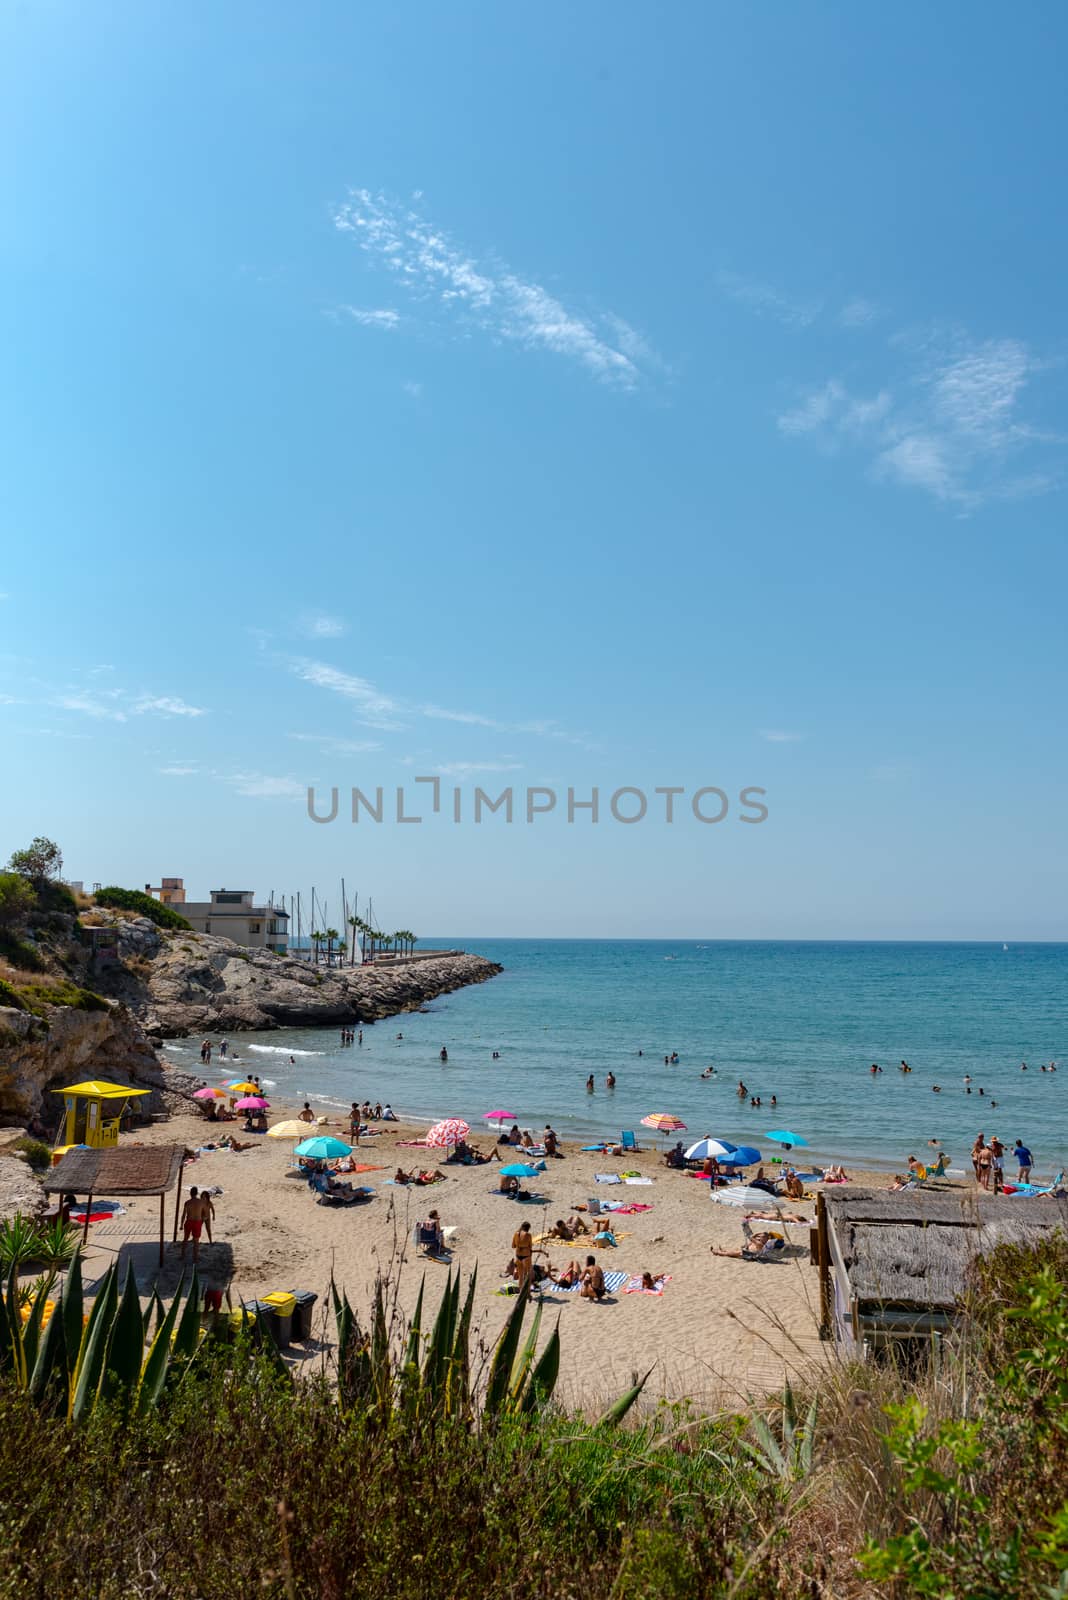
(722, 1329)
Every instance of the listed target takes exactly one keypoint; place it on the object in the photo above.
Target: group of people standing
(988, 1162)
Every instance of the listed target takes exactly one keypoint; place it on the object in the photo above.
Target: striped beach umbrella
(443, 1135)
(663, 1122)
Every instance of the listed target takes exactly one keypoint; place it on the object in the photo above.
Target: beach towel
(583, 1242)
(103, 1211)
(635, 1285)
(626, 1211)
(613, 1281)
(411, 1144)
(629, 1179)
(607, 1177)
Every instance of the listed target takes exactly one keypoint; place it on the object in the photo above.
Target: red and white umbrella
(443, 1135)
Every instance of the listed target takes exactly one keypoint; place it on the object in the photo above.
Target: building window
(255, 927)
(224, 899)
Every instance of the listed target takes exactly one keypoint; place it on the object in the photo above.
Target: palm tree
(317, 939)
(332, 937)
(355, 924)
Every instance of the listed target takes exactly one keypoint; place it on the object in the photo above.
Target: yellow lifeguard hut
(94, 1112)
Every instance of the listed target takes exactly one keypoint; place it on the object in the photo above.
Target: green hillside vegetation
(383, 1474)
(145, 906)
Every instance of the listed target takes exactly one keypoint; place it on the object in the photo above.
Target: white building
(229, 914)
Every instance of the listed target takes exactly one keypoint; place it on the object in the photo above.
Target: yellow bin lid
(284, 1304)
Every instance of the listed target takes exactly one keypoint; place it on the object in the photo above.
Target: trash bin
(244, 1319)
(279, 1308)
(302, 1316)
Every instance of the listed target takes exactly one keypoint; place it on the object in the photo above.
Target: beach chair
(627, 1139)
(426, 1240)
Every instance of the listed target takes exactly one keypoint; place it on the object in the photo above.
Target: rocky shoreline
(167, 985)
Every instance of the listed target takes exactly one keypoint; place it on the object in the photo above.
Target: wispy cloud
(430, 267)
(338, 747)
(319, 625)
(259, 785)
(373, 708)
(412, 387)
(117, 705)
(470, 769)
(88, 705)
(949, 423)
(764, 300)
(858, 313)
(177, 770)
(165, 705)
(385, 319)
(779, 736)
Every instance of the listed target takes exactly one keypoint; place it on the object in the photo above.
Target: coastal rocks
(198, 983)
(20, 1190)
(67, 1045)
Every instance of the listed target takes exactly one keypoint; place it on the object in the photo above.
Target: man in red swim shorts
(193, 1213)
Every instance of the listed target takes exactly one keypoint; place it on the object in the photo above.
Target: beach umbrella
(663, 1122)
(209, 1094)
(498, 1116)
(240, 1086)
(722, 1149)
(293, 1129)
(253, 1102)
(324, 1147)
(784, 1136)
(746, 1155)
(445, 1134)
(755, 1199)
(517, 1169)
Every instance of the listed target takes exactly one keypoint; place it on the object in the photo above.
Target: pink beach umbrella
(443, 1135)
(498, 1116)
(253, 1102)
(209, 1094)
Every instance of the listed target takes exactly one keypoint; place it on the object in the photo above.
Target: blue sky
(581, 396)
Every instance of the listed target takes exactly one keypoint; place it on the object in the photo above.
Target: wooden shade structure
(142, 1170)
(894, 1265)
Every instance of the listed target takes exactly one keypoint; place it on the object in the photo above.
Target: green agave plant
(19, 1239)
(69, 1362)
(788, 1457)
(57, 1244)
(433, 1378)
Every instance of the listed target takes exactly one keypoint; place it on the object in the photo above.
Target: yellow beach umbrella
(288, 1130)
(237, 1087)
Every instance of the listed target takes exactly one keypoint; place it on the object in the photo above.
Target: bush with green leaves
(144, 904)
(41, 862)
(35, 1152)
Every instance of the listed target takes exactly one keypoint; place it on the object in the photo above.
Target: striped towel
(613, 1281)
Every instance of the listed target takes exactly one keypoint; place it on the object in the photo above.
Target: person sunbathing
(774, 1216)
(509, 1186)
(571, 1275)
(649, 1282)
(568, 1230)
(230, 1143)
(424, 1178)
(401, 1177)
(836, 1174)
(758, 1244)
(593, 1284)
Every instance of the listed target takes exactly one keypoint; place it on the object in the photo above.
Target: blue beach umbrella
(722, 1149)
(784, 1136)
(516, 1169)
(746, 1155)
(323, 1148)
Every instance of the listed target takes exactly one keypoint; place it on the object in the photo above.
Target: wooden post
(824, 1250)
(177, 1209)
(85, 1230)
(162, 1222)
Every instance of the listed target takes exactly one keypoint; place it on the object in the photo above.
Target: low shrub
(38, 1155)
(10, 996)
(19, 952)
(145, 906)
(36, 997)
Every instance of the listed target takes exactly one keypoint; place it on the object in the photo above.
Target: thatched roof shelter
(896, 1264)
(120, 1172)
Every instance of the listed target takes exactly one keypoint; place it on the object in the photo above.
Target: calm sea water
(802, 1021)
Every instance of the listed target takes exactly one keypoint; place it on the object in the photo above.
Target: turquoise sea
(802, 1021)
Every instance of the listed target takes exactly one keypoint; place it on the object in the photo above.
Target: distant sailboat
(1004, 947)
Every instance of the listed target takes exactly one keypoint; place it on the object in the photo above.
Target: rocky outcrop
(161, 985)
(67, 1045)
(201, 984)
